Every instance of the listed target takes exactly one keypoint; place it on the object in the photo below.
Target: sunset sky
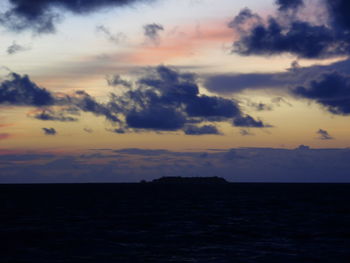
(124, 90)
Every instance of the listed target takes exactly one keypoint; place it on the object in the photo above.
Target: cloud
(116, 80)
(49, 131)
(339, 13)
(86, 103)
(15, 48)
(132, 165)
(114, 38)
(280, 100)
(331, 90)
(245, 16)
(295, 34)
(324, 135)
(163, 99)
(280, 81)
(151, 32)
(118, 130)
(166, 100)
(201, 130)
(234, 83)
(284, 5)
(42, 16)
(145, 152)
(231, 155)
(259, 106)
(274, 39)
(249, 121)
(25, 157)
(50, 115)
(20, 90)
(212, 106)
(245, 132)
(157, 118)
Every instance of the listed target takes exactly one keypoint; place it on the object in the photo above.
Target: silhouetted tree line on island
(187, 180)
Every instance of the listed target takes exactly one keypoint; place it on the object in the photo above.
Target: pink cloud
(185, 43)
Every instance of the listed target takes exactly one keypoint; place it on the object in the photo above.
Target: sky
(130, 90)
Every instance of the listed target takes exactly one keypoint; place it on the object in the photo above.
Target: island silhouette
(188, 180)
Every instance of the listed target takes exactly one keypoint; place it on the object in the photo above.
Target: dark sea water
(175, 223)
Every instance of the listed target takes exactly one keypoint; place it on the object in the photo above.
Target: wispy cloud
(14, 48)
(324, 135)
(152, 32)
(49, 131)
(117, 38)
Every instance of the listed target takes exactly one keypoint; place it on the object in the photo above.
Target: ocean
(175, 223)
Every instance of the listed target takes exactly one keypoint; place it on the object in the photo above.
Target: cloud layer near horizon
(133, 165)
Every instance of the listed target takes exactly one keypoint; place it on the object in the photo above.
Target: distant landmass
(189, 180)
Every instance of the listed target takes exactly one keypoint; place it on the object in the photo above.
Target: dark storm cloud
(166, 99)
(331, 90)
(301, 39)
(50, 115)
(339, 13)
(151, 31)
(289, 4)
(49, 131)
(15, 48)
(41, 16)
(20, 90)
(249, 121)
(292, 34)
(201, 130)
(324, 135)
(212, 106)
(157, 118)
